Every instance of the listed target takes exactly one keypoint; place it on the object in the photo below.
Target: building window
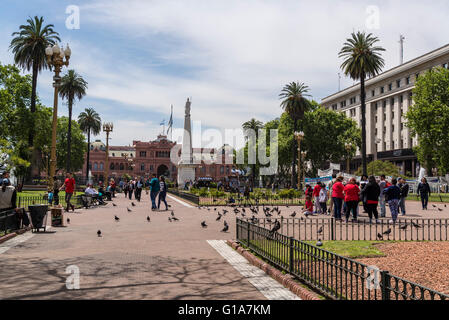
(401, 99)
(373, 93)
(113, 154)
(417, 76)
(151, 167)
(384, 104)
(392, 101)
(376, 120)
(390, 87)
(382, 90)
(407, 80)
(143, 154)
(227, 170)
(352, 100)
(122, 166)
(162, 154)
(90, 165)
(142, 167)
(335, 107)
(112, 166)
(221, 170)
(398, 83)
(392, 116)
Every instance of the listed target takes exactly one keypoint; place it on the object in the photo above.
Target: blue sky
(232, 57)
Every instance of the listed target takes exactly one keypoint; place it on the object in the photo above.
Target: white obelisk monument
(186, 167)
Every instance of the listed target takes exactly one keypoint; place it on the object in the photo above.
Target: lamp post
(304, 154)
(299, 137)
(107, 127)
(56, 58)
(348, 147)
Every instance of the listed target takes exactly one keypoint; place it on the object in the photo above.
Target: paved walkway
(133, 259)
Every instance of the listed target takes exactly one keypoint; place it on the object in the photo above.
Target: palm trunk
(363, 111)
(69, 137)
(31, 128)
(295, 148)
(88, 154)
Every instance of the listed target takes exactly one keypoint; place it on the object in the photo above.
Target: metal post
(385, 284)
(290, 264)
(332, 230)
(248, 225)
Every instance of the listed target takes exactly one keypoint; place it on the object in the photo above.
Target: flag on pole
(170, 122)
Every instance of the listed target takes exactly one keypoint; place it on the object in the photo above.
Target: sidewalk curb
(11, 235)
(284, 279)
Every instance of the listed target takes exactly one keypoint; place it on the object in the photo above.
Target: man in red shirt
(338, 197)
(69, 187)
(316, 195)
(352, 198)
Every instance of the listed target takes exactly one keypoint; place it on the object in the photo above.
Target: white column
(370, 129)
(406, 132)
(380, 125)
(397, 123)
(359, 124)
(388, 124)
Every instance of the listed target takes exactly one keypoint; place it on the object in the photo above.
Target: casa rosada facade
(143, 159)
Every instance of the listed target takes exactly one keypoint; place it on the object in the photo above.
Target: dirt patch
(425, 263)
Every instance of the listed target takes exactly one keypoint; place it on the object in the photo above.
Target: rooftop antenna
(401, 48)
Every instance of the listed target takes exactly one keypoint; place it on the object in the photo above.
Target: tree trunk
(295, 148)
(31, 129)
(363, 124)
(69, 137)
(88, 154)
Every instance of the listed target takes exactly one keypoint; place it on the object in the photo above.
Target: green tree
(73, 86)
(252, 125)
(78, 145)
(362, 59)
(378, 168)
(90, 122)
(28, 46)
(428, 118)
(295, 103)
(325, 135)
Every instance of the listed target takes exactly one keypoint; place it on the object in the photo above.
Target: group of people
(134, 186)
(346, 197)
(156, 187)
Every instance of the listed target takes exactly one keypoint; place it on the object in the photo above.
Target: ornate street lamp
(303, 155)
(108, 127)
(56, 58)
(299, 137)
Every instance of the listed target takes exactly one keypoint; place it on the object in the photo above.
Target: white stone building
(388, 98)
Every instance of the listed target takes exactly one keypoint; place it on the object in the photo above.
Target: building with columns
(142, 159)
(388, 98)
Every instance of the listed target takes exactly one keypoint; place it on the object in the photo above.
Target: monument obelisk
(186, 167)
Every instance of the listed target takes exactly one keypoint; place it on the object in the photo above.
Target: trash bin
(38, 214)
(57, 217)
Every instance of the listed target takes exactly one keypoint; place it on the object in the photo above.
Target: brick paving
(133, 259)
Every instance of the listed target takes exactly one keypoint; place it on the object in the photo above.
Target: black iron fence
(9, 222)
(185, 195)
(273, 200)
(330, 229)
(335, 276)
(26, 201)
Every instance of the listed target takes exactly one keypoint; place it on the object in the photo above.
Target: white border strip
(180, 201)
(5, 246)
(269, 287)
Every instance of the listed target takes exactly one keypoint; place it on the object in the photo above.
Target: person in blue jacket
(154, 190)
(393, 195)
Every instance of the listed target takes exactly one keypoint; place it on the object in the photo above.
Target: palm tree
(254, 125)
(73, 86)
(28, 46)
(295, 104)
(362, 59)
(90, 122)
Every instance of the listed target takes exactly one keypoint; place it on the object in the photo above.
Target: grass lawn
(352, 249)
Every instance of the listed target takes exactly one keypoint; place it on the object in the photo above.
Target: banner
(335, 166)
(325, 173)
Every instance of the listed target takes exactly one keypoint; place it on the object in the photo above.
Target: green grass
(352, 249)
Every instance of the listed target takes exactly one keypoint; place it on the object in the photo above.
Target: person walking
(323, 200)
(131, 187)
(338, 197)
(125, 188)
(69, 187)
(393, 194)
(162, 193)
(424, 191)
(371, 193)
(363, 183)
(154, 190)
(329, 188)
(404, 193)
(316, 197)
(56, 186)
(352, 198)
(382, 201)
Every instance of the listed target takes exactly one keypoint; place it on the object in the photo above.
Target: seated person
(308, 208)
(90, 191)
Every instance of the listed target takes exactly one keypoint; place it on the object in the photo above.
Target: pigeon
(148, 218)
(172, 214)
(379, 236)
(302, 219)
(116, 218)
(99, 233)
(218, 218)
(320, 230)
(434, 206)
(225, 229)
(129, 210)
(439, 209)
(114, 205)
(225, 223)
(319, 243)
(68, 220)
(276, 228)
(169, 219)
(203, 224)
(445, 206)
(417, 226)
(175, 219)
(404, 227)
(293, 214)
(133, 204)
(387, 232)
(215, 209)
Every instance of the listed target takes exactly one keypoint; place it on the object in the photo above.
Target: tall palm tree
(255, 125)
(90, 122)
(295, 103)
(362, 59)
(73, 86)
(28, 46)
